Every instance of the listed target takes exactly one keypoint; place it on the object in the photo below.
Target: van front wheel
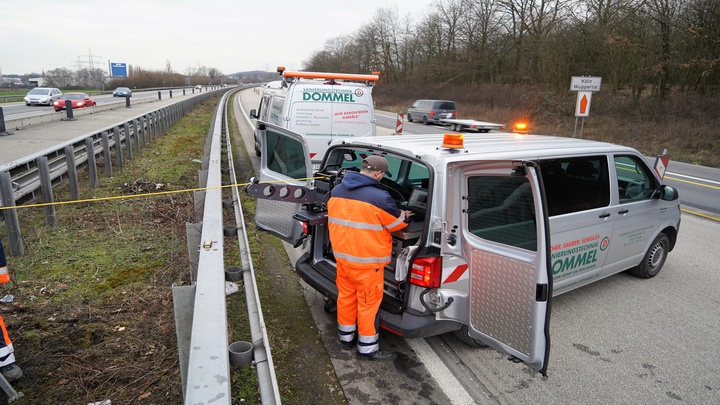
(654, 258)
(409, 118)
(463, 334)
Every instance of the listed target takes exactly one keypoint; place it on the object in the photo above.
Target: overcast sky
(230, 35)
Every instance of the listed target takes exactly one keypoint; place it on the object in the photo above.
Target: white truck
(320, 106)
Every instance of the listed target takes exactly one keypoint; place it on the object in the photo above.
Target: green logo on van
(332, 97)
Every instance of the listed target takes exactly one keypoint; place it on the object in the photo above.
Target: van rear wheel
(463, 334)
(409, 118)
(654, 258)
(425, 121)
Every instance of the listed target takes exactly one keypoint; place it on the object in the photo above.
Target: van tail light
(426, 272)
(432, 113)
(304, 227)
(455, 114)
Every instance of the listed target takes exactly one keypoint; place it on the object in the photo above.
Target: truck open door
(508, 247)
(284, 165)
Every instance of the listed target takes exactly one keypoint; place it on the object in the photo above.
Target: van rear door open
(323, 112)
(507, 241)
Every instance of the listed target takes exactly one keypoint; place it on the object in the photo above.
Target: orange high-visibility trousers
(360, 293)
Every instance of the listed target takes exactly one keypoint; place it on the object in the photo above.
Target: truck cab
(502, 224)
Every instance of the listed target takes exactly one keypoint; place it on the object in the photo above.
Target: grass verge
(92, 317)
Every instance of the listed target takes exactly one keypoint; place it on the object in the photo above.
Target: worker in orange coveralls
(11, 371)
(361, 217)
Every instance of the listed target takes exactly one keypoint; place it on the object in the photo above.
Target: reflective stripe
(397, 222)
(4, 275)
(347, 328)
(356, 259)
(368, 344)
(346, 333)
(355, 224)
(4, 351)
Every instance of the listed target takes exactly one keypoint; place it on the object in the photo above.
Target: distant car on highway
(42, 96)
(122, 92)
(432, 111)
(199, 87)
(78, 100)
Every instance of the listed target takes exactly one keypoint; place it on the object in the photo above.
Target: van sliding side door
(506, 243)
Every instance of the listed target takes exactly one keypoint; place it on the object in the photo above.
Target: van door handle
(623, 212)
(605, 215)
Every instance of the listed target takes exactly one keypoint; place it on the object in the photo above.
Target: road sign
(661, 164)
(582, 107)
(585, 83)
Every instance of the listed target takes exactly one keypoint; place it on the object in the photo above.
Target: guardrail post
(10, 216)
(183, 92)
(107, 160)
(46, 188)
(159, 95)
(69, 111)
(136, 136)
(92, 164)
(170, 93)
(3, 132)
(118, 146)
(127, 101)
(72, 172)
(128, 141)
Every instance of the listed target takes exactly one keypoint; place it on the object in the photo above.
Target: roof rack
(329, 76)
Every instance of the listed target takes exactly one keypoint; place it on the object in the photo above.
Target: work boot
(349, 345)
(11, 372)
(379, 355)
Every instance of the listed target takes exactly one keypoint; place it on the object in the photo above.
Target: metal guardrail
(21, 180)
(202, 334)
(200, 309)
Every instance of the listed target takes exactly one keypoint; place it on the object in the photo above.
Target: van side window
(502, 209)
(284, 155)
(575, 184)
(635, 182)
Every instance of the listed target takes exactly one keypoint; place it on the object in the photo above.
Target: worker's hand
(408, 214)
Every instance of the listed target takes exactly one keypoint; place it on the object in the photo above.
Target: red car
(79, 100)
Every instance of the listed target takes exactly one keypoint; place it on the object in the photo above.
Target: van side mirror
(668, 193)
(253, 113)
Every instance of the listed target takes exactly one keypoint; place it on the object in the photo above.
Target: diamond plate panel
(275, 215)
(502, 299)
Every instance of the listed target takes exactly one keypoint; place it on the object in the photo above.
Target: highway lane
(699, 186)
(621, 340)
(19, 109)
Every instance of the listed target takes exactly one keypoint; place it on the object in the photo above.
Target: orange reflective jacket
(359, 229)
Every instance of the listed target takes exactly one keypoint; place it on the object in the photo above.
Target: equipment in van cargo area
(504, 222)
(320, 106)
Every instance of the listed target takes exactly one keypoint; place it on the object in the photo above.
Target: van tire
(409, 118)
(654, 258)
(425, 121)
(463, 335)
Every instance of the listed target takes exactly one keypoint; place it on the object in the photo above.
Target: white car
(42, 96)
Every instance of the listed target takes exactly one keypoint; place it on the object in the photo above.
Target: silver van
(502, 224)
(432, 111)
